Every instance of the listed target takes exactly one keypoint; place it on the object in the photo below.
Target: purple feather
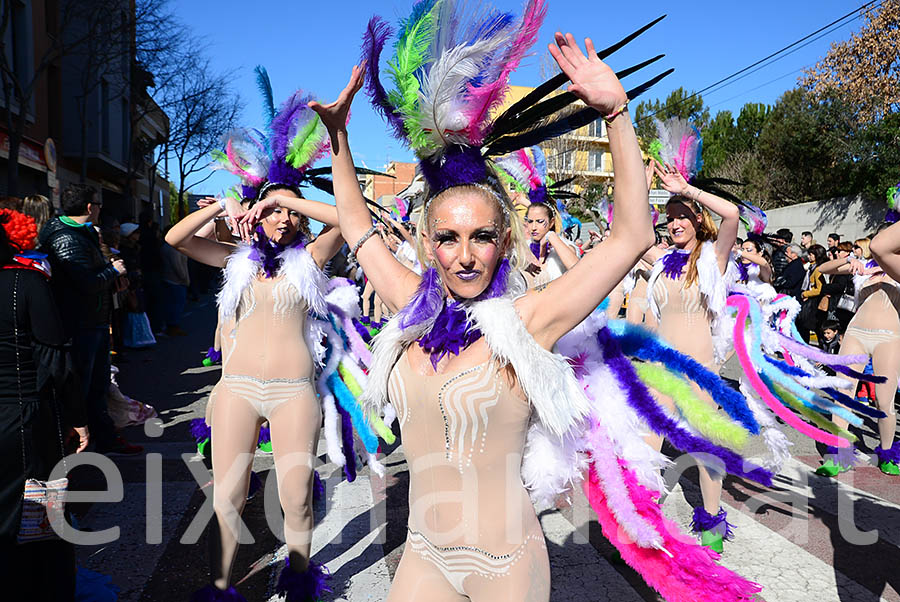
(268, 252)
(639, 398)
(347, 443)
(539, 195)
(249, 192)
(265, 435)
(535, 249)
(426, 303)
(309, 586)
(377, 33)
(674, 262)
(287, 121)
(282, 173)
(213, 355)
(499, 281)
(361, 330)
(889, 455)
(456, 166)
(718, 524)
(743, 271)
(200, 431)
(452, 332)
(211, 593)
(869, 378)
(892, 216)
(318, 487)
(843, 456)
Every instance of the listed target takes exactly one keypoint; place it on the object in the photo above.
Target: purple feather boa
(267, 252)
(451, 332)
(456, 166)
(214, 355)
(318, 487)
(211, 593)
(718, 524)
(265, 435)
(309, 586)
(639, 398)
(200, 431)
(889, 455)
(347, 443)
(426, 303)
(535, 249)
(377, 34)
(674, 262)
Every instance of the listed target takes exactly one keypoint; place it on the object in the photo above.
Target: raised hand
(592, 79)
(335, 115)
(670, 178)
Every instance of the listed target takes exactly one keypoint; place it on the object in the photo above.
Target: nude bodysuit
(473, 533)
(684, 321)
(265, 358)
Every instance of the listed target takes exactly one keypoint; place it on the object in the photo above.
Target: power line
(774, 54)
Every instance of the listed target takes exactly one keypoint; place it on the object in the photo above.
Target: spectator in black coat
(83, 281)
(780, 240)
(790, 281)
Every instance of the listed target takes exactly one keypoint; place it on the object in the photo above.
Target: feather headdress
(450, 69)
(678, 144)
(293, 140)
(893, 198)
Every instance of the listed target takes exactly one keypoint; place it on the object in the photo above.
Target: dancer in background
(275, 313)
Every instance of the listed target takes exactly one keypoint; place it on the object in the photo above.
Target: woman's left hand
(592, 79)
(335, 114)
(256, 214)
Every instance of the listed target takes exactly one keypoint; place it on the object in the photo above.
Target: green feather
(508, 180)
(810, 414)
(306, 143)
(220, 156)
(700, 415)
(655, 150)
(411, 55)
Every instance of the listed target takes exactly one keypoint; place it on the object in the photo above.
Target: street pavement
(789, 538)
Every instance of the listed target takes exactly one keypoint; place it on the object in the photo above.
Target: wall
(851, 217)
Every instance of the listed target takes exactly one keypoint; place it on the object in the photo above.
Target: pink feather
(683, 163)
(740, 347)
(609, 477)
(484, 99)
(534, 178)
(357, 344)
(690, 573)
(238, 169)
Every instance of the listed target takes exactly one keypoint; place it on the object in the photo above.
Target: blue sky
(312, 45)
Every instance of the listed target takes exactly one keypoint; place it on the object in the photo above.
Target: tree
(679, 103)
(863, 70)
(718, 141)
(201, 111)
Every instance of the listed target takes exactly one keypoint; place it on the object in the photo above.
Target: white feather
(442, 98)
(551, 465)
(332, 428)
(775, 440)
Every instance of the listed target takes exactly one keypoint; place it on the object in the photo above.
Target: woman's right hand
(335, 115)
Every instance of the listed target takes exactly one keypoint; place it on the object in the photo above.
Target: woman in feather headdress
(687, 284)
(282, 337)
(465, 337)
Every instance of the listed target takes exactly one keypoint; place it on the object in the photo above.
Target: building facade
(87, 119)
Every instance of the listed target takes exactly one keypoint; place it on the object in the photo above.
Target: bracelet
(222, 203)
(362, 240)
(609, 118)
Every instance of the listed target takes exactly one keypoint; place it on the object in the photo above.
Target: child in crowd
(831, 339)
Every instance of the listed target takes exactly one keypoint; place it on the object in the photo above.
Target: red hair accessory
(20, 229)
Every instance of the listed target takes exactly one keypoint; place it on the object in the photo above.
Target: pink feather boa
(688, 572)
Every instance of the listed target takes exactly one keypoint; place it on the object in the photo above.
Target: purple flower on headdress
(268, 252)
(674, 262)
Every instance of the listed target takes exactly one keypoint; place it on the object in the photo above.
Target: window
(597, 129)
(561, 161)
(595, 161)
